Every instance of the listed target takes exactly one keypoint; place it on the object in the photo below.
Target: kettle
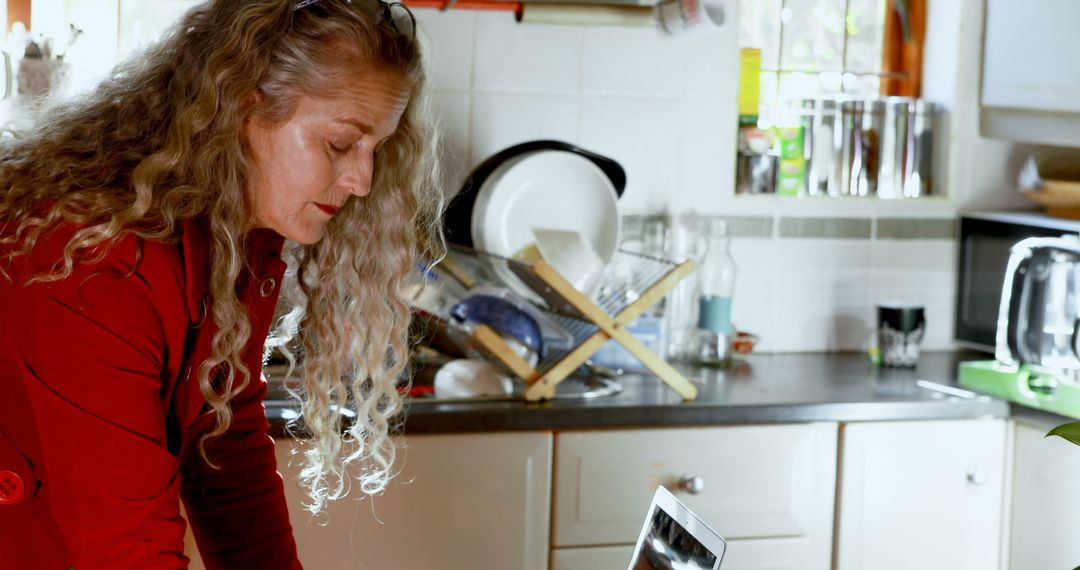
(1039, 316)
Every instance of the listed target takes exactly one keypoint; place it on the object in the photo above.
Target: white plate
(546, 189)
(483, 197)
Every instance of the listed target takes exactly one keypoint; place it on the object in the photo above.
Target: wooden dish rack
(643, 282)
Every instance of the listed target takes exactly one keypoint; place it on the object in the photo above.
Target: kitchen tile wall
(666, 110)
(663, 108)
(803, 291)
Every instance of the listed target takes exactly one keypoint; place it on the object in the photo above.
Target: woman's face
(308, 166)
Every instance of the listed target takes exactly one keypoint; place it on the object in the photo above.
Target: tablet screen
(669, 546)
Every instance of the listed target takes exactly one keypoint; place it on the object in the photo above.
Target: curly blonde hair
(160, 140)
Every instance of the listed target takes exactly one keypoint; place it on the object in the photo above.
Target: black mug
(900, 330)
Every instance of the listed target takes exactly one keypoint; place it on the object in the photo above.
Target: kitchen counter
(779, 388)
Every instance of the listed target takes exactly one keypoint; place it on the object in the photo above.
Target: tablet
(673, 537)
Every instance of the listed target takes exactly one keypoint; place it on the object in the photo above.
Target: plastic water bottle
(716, 284)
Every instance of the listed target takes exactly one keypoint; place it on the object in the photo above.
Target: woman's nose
(358, 172)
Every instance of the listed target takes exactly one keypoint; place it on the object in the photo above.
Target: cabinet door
(472, 502)
(926, 494)
(757, 554)
(592, 557)
(1032, 55)
(1046, 501)
(759, 482)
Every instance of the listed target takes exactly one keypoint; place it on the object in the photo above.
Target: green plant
(1069, 432)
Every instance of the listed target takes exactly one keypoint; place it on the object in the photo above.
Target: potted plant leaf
(1069, 431)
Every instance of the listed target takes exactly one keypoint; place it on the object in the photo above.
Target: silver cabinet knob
(976, 477)
(692, 484)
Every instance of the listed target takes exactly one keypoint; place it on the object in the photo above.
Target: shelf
(791, 206)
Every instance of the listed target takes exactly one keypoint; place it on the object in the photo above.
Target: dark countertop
(780, 388)
(1039, 419)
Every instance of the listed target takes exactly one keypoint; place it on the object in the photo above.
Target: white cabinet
(595, 557)
(919, 494)
(769, 490)
(1031, 71)
(1045, 501)
(476, 502)
(925, 494)
(1032, 57)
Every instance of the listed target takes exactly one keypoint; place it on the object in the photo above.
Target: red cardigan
(100, 414)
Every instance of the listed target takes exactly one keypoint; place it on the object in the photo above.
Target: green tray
(1029, 385)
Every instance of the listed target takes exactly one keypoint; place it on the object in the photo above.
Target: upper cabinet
(1032, 58)
(1031, 71)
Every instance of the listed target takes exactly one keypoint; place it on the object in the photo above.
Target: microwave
(985, 243)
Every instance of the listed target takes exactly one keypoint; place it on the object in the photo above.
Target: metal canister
(860, 146)
(756, 173)
(907, 148)
(821, 122)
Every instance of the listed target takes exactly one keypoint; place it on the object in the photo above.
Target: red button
(11, 488)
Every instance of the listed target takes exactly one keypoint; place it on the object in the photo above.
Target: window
(814, 48)
(795, 50)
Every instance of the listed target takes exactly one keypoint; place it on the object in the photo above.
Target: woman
(141, 258)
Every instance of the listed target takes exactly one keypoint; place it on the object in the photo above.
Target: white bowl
(470, 379)
(571, 256)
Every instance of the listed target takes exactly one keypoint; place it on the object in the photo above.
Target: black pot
(457, 222)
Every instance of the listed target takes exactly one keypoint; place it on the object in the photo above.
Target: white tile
(643, 136)
(452, 112)
(138, 24)
(450, 40)
(500, 120)
(631, 61)
(711, 62)
(822, 298)
(755, 288)
(530, 58)
(921, 272)
(707, 154)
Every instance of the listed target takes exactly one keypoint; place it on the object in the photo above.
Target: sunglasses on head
(396, 14)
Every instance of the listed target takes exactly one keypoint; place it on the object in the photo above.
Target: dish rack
(637, 283)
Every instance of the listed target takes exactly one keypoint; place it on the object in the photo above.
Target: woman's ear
(254, 98)
(251, 101)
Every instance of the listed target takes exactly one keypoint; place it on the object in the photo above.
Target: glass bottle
(716, 284)
(683, 241)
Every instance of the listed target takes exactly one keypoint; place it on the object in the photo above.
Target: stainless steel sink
(577, 387)
(570, 389)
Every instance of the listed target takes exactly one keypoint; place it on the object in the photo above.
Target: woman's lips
(327, 208)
